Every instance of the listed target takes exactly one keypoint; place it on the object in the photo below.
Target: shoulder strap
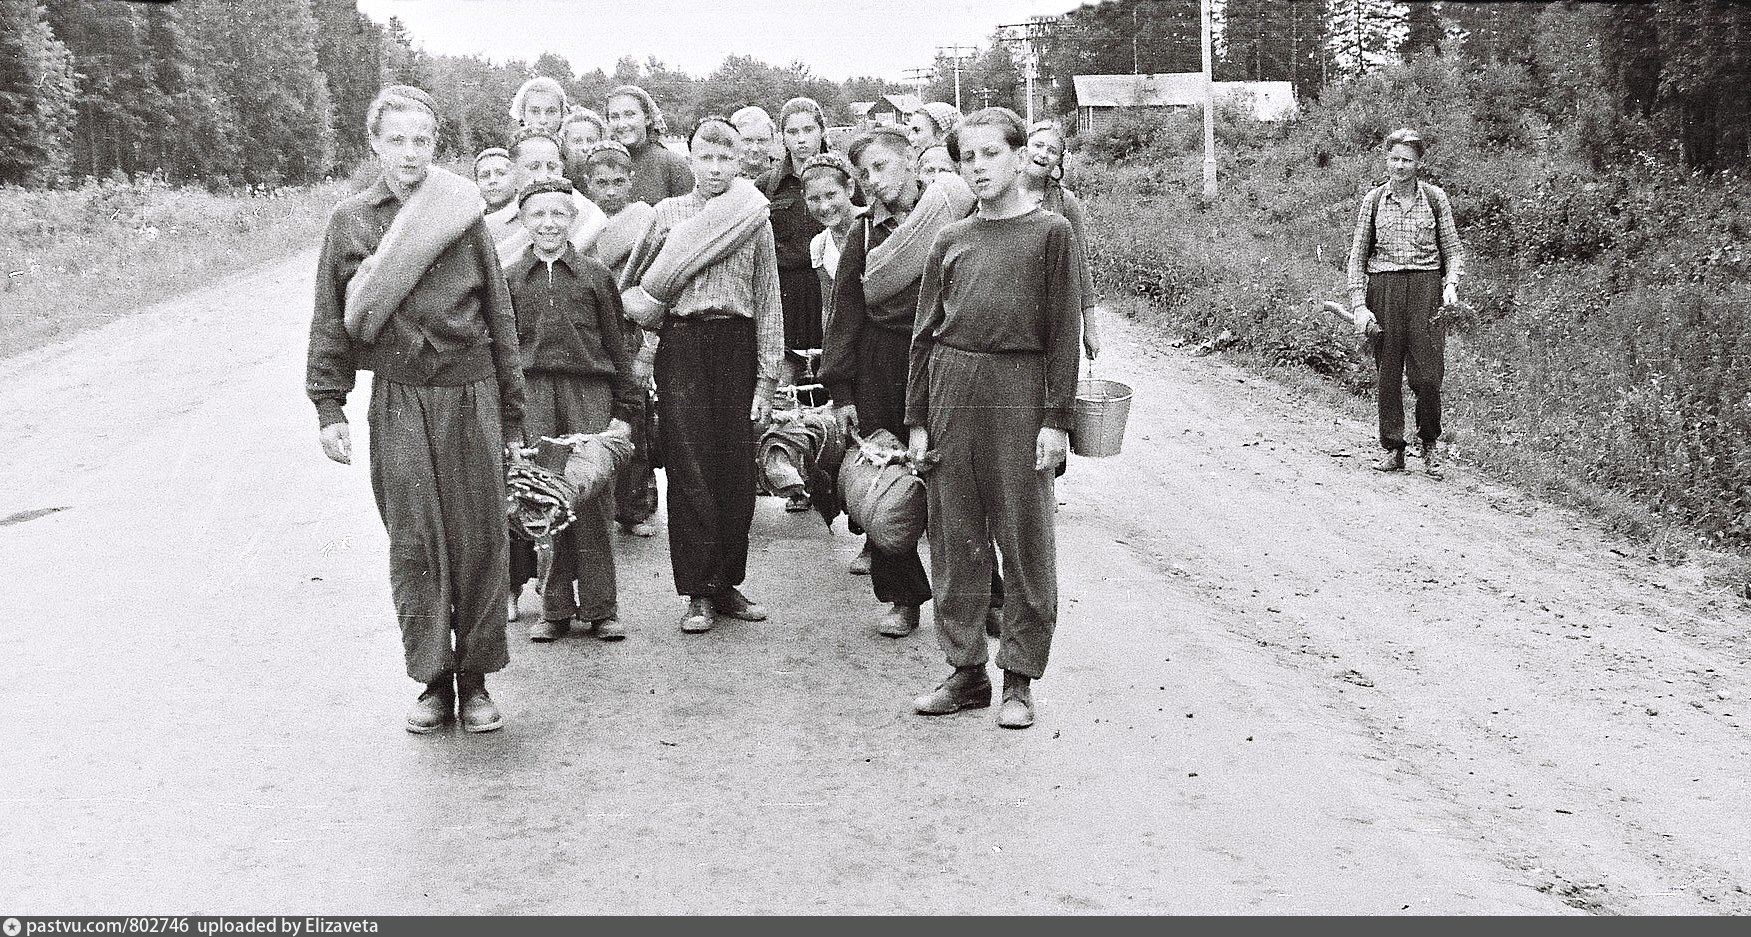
(1436, 210)
(1374, 217)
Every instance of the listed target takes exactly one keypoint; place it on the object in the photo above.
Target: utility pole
(1032, 36)
(1209, 105)
(954, 52)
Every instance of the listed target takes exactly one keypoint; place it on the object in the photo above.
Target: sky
(837, 39)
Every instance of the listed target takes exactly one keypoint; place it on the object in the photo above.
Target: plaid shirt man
(1407, 236)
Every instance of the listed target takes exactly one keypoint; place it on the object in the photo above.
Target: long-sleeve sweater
(852, 312)
(569, 322)
(1002, 286)
(456, 326)
(792, 225)
(659, 173)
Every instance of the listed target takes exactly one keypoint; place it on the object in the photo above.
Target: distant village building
(1099, 98)
(889, 109)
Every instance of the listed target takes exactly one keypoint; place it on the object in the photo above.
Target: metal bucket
(1102, 407)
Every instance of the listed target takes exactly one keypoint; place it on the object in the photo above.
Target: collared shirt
(569, 322)
(743, 284)
(455, 327)
(1410, 235)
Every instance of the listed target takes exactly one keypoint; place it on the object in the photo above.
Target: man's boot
(900, 621)
(1017, 711)
(1393, 461)
(434, 707)
(478, 712)
(1431, 463)
(966, 688)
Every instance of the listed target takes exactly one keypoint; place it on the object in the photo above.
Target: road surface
(1281, 684)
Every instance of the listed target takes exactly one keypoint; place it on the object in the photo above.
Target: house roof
(1271, 99)
(860, 108)
(902, 103)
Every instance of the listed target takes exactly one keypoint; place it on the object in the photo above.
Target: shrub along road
(1281, 684)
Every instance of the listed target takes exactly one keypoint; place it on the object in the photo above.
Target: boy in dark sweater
(579, 380)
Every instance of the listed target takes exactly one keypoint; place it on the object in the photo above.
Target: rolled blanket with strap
(438, 212)
(516, 239)
(717, 231)
(594, 460)
(898, 262)
(623, 233)
(882, 490)
(809, 442)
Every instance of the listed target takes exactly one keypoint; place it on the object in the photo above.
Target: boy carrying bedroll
(578, 379)
(705, 277)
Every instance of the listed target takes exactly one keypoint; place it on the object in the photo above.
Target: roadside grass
(74, 259)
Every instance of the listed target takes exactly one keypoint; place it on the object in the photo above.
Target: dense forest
(270, 92)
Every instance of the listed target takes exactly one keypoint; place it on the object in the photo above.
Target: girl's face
(935, 160)
(1402, 162)
(405, 142)
(828, 200)
(996, 166)
(538, 159)
(627, 121)
(921, 131)
(580, 134)
(541, 111)
(1045, 153)
(802, 137)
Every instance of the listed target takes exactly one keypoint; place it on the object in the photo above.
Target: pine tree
(349, 52)
(193, 139)
(264, 62)
(37, 90)
(1364, 34)
(120, 103)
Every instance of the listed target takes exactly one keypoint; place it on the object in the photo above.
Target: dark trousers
(881, 404)
(985, 418)
(635, 485)
(1412, 347)
(800, 293)
(705, 383)
(438, 473)
(580, 573)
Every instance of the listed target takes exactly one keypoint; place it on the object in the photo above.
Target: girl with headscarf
(635, 122)
(1042, 178)
(409, 287)
(793, 227)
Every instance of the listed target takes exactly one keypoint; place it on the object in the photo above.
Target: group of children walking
(590, 279)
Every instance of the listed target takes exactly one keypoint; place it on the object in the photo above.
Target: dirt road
(1281, 684)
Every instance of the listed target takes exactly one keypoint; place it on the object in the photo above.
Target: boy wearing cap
(578, 380)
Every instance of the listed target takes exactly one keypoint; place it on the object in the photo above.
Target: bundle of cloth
(803, 449)
(623, 232)
(512, 237)
(660, 267)
(899, 261)
(883, 492)
(544, 500)
(440, 210)
(593, 462)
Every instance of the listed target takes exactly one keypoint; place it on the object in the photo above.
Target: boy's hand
(1049, 448)
(1450, 294)
(337, 442)
(918, 443)
(846, 415)
(761, 411)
